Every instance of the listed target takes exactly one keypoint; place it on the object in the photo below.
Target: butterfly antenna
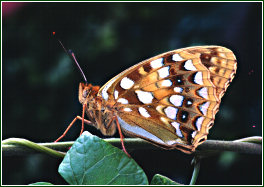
(75, 60)
(72, 55)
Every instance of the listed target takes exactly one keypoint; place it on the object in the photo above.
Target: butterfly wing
(171, 99)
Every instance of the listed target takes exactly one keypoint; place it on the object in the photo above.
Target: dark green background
(40, 82)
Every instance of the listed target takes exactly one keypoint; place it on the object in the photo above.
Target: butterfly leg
(73, 121)
(121, 136)
(83, 112)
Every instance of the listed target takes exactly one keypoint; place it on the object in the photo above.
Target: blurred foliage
(40, 83)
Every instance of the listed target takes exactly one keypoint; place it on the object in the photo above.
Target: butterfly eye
(85, 93)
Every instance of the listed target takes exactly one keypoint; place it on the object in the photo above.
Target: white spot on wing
(143, 112)
(188, 65)
(159, 109)
(156, 63)
(126, 83)
(178, 89)
(166, 83)
(176, 125)
(164, 72)
(144, 97)
(222, 55)
(122, 100)
(171, 112)
(203, 92)
(127, 109)
(184, 116)
(116, 94)
(194, 134)
(204, 107)
(105, 94)
(164, 120)
(198, 78)
(104, 91)
(176, 100)
(177, 57)
(199, 123)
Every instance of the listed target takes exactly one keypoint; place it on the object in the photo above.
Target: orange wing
(171, 99)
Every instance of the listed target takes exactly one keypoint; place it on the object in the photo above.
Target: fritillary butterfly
(169, 100)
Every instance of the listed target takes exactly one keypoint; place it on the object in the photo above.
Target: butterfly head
(87, 92)
(88, 95)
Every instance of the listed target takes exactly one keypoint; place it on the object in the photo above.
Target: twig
(17, 146)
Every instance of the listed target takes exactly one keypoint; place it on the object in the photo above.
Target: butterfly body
(169, 100)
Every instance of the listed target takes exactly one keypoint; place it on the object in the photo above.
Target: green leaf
(92, 161)
(41, 183)
(162, 180)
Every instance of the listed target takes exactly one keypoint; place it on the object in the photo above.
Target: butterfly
(169, 100)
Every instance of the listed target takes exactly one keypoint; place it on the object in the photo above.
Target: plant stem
(252, 139)
(17, 146)
(196, 170)
(235, 146)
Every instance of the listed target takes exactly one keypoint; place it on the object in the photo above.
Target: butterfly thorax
(98, 112)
